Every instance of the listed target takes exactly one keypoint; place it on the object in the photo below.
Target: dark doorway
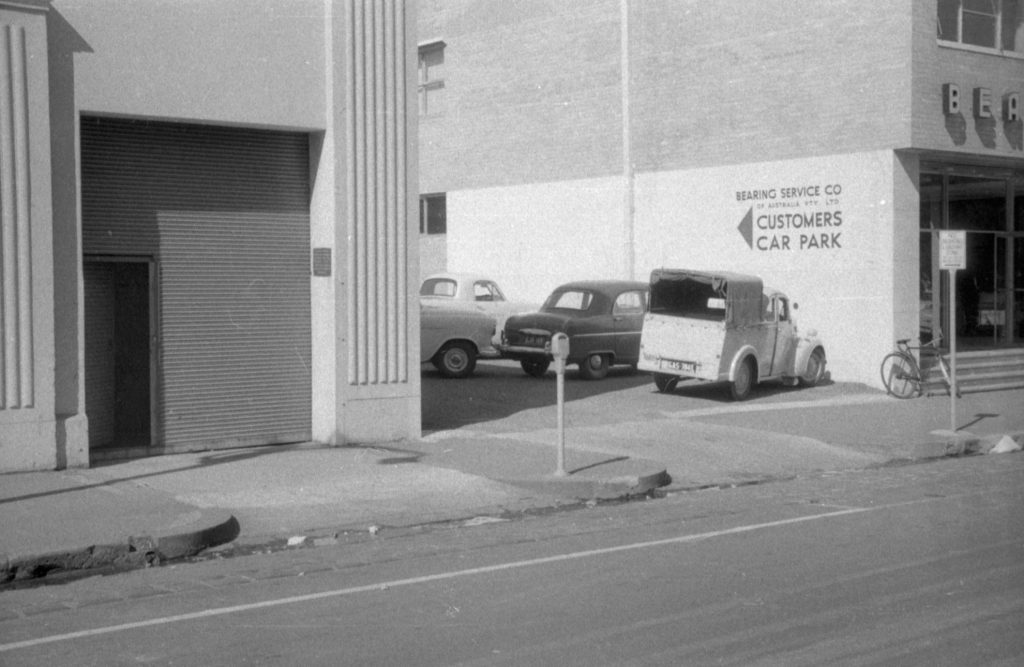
(118, 368)
(989, 207)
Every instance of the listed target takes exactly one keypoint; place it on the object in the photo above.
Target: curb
(134, 552)
(614, 488)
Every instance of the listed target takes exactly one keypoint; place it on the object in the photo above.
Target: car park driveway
(700, 435)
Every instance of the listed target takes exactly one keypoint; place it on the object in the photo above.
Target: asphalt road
(911, 565)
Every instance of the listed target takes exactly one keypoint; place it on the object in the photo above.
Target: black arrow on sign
(747, 228)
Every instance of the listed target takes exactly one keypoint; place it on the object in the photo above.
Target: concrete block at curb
(582, 488)
(189, 543)
(964, 443)
(136, 551)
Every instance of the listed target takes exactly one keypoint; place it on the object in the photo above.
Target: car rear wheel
(665, 383)
(744, 380)
(594, 367)
(535, 368)
(815, 372)
(456, 359)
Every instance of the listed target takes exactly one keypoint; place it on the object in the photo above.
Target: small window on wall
(996, 25)
(433, 214)
(431, 78)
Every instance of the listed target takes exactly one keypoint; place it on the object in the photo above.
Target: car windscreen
(688, 298)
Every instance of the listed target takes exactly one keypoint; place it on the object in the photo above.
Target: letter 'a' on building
(1011, 107)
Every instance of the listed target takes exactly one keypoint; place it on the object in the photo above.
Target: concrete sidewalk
(145, 510)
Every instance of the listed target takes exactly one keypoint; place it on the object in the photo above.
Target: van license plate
(681, 366)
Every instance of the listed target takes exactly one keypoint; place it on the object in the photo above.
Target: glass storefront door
(990, 291)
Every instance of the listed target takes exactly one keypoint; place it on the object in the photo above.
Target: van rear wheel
(743, 382)
(665, 382)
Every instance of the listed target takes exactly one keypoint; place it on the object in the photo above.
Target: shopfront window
(990, 290)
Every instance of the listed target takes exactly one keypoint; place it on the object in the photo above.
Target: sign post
(952, 258)
(560, 351)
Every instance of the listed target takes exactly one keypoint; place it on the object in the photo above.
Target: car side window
(571, 300)
(438, 287)
(776, 309)
(629, 303)
(484, 290)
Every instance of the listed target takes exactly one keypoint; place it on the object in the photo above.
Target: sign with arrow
(793, 219)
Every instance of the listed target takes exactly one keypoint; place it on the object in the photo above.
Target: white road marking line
(857, 399)
(381, 586)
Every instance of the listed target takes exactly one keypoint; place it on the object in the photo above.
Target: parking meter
(560, 351)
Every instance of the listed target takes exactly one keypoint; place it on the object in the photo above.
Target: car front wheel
(456, 360)
(535, 368)
(594, 367)
(815, 372)
(744, 381)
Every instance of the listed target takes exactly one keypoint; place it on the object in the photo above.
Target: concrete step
(976, 371)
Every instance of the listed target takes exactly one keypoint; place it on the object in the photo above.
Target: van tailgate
(681, 346)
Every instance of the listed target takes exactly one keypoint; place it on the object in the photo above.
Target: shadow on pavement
(499, 389)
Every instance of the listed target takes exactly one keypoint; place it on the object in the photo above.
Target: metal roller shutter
(224, 212)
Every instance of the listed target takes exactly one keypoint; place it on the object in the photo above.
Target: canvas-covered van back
(721, 326)
(733, 298)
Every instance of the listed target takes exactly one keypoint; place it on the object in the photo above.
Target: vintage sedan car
(602, 319)
(452, 339)
(724, 327)
(474, 291)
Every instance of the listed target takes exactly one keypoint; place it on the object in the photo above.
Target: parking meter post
(560, 384)
(560, 351)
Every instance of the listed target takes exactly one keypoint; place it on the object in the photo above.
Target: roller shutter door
(224, 213)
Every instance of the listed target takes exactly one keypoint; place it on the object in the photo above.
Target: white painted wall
(532, 238)
(842, 275)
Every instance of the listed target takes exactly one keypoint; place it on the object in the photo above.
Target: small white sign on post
(952, 258)
(952, 250)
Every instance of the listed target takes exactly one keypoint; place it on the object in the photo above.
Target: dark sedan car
(602, 319)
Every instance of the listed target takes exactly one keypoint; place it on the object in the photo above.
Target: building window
(431, 78)
(996, 25)
(433, 214)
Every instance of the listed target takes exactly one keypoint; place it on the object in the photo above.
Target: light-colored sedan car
(474, 291)
(454, 338)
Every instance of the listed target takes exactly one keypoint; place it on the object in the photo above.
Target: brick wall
(534, 88)
(721, 83)
(532, 92)
(936, 65)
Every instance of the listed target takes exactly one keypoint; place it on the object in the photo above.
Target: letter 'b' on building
(950, 99)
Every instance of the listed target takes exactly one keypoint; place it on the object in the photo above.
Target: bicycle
(901, 373)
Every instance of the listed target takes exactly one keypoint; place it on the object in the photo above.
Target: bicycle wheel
(900, 375)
